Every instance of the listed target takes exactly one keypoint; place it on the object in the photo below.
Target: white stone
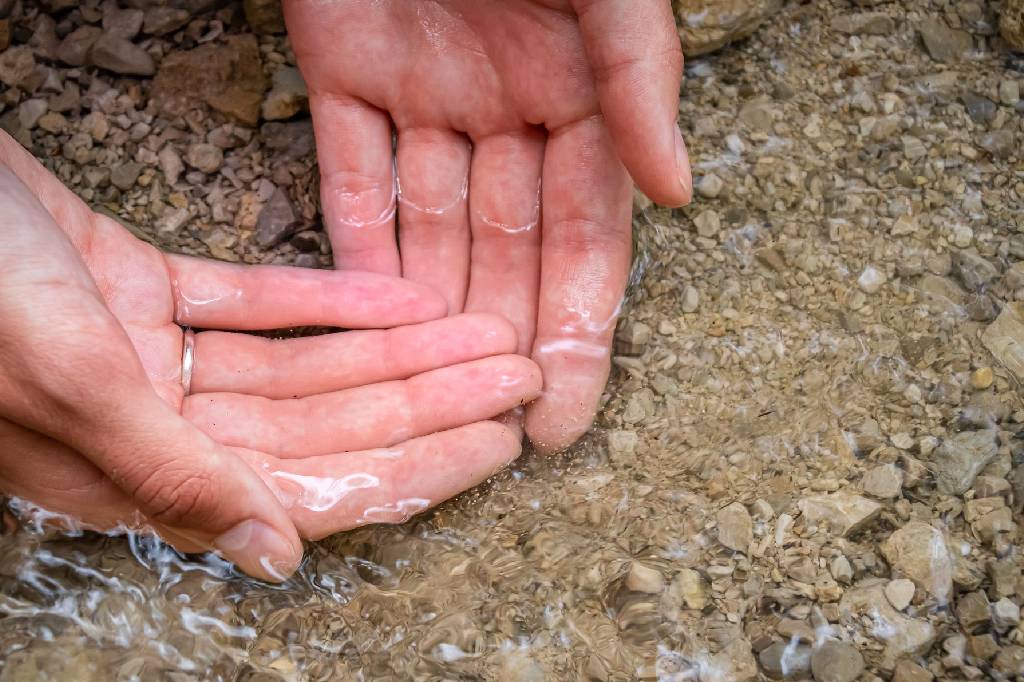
(871, 280)
(900, 593)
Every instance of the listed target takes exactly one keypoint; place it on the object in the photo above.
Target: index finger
(585, 260)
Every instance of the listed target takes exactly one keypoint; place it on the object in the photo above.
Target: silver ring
(188, 360)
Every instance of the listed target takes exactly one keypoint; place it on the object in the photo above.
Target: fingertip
(261, 550)
(499, 334)
(553, 426)
(530, 379)
(508, 442)
(424, 302)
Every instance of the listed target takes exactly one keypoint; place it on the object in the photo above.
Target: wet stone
(908, 671)
(204, 157)
(900, 593)
(734, 663)
(1005, 615)
(943, 43)
(691, 588)
(865, 23)
(124, 175)
(844, 513)
(287, 97)
(836, 661)
(1010, 660)
(960, 458)
(277, 221)
(1004, 338)
(74, 48)
(783, 661)
(972, 611)
(710, 186)
(871, 280)
(30, 111)
(919, 552)
(642, 578)
(974, 272)
(982, 647)
(735, 527)
(633, 338)
(884, 481)
(1001, 144)
(981, 109)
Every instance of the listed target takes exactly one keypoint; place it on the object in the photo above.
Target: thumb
(184, 481)
(637, 59)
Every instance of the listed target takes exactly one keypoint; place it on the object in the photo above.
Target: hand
(488, 97)
(278, 439)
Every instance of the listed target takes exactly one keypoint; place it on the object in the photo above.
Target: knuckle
(176, 497)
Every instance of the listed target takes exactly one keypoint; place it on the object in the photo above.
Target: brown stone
(1011, 24)
(265, 16)
(706, 25)
(228, 77)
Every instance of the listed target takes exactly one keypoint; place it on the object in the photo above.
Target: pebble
(1009, 92)
(642, 578)
(919, 551)
(30, 111)
(900, 593)
(784, 661)
(1005, 615)
(123, 23)
(734, 663)
(871, 280)
(908, 671)
(708, 223)
(844, 513)
(963, 235)
(735, 527)
(943, 43)
(277, 221)
(982, 378)
(972, 611)
(170, 164)
(692, 589)
(884, 481)
(121, 56)
(960, 458)
(159, 21)
(288, 95)
(633, 338)
(52, 122)
(691, 299)
(124, 175)
(172, 221)
(74, 48)
(841, 570)
(204, 157)
(980, 108)
(710, 186)
(865, 23)
(836, 661)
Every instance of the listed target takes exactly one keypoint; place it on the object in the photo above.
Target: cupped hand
(511, 118)
(277, 440)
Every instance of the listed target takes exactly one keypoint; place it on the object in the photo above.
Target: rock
(900, 593)
(735, 527)
(52, 122)
(124, 175)
(865, 23)
(277, 221)
(974, 272)
(204, 157)
(980, 109)
(288, 95)
(1005, 615)
(710, 186)
(633, 338)
(707, 223)
(901, 635)
(999, 143)
(845, 513)
(959, 459)
(74, 49)
(170, 164)
(982, 378)
(836, 661)
(172, 221)
(17, 64)
(1011, 24)
(221, 244)
(162, 20)
(1004, 338)
(44, 41)
(972, 611)
(943, 43)
(841, 570)
(227, 76)
(1009, 92)
(30, 111)
(920, 552)
(990, 526)
(706, 25)
(622, 444)
(307, 260)
(691, 299)
(264, 16)
(785, 661)
(121, 56)
(884, 481)
(871, 280)
(644, 579)
(1010, 660)
(691, 588)
(122, 23)
(908, 671)
(734, 663)
(307, 241)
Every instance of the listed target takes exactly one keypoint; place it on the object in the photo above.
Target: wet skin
(279, 440)
(516, 123)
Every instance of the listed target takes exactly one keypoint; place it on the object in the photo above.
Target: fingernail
(683, 166)
(258, 548)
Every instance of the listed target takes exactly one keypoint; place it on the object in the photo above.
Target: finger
(433, 174)
(72, 490)
(373, 416)
(209, 294)
(585, 266)
(357, 182)
(635, 51)
(505, 220)
(337, 492)
(290, 368)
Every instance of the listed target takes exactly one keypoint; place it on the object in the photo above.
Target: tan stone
(706, 25)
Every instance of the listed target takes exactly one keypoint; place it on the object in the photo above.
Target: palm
(488, 97)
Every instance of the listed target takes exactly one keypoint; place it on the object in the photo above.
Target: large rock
(920, 552)
(1004, 338)
(902, 636)
(226, 76)
(122, 56)
(706, 25)
(960, 459)
(843, 512)
(1011, 25)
